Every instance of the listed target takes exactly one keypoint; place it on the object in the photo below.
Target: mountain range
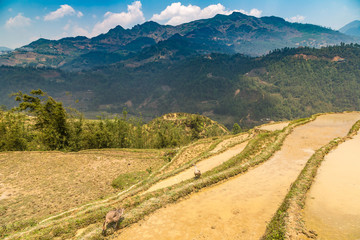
(5, 49)
(232, 68)
(149, 42)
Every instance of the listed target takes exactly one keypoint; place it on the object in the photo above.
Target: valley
(226, 125)
(232, 68)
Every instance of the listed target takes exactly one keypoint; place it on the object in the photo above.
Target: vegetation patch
(127, 179)
(48, 126)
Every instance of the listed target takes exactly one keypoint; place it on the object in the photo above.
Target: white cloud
(71, 30)
(62, 12)
(133, 16)
(176, 13)
(297, 18)
(79, 31)
(18, 21)
(253, 12)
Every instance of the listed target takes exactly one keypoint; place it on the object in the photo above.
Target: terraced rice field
(235, 207)
(204, 166)
(241, 207)
(333, 203)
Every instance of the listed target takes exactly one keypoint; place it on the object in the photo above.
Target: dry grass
(34, 185)
(189, 153)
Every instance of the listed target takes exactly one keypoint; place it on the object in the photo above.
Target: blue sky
(23, 21)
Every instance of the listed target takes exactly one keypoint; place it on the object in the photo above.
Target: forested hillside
(285, 84)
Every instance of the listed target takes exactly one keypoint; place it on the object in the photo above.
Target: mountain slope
(235, 33)
(352, 28)
(285, 84)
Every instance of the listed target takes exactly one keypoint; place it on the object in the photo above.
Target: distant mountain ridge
(352, 28)
(5, 49)
(234, 33)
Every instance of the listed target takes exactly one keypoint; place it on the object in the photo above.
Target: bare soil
(39, 184)
(241, 207)
(332, 207)
(274, 126)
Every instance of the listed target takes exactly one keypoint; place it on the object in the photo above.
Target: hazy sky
(23, 21)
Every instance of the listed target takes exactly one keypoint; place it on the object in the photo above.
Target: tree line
(41, 123)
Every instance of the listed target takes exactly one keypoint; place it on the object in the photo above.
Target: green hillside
(285, 84)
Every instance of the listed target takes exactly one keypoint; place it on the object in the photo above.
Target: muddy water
(333, 203)
(241, 207)
(204, 166)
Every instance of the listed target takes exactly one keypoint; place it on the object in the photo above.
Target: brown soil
(306, 57)
(38, 184)
(241, 207)
(333, 203)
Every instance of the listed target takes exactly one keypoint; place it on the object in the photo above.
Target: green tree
(236, 129)
(50, 117)
(196, 125)
(12, 132)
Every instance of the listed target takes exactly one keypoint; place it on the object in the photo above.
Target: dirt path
(274, 126)
(333, 203)
(230, 141)
(241, 207)
(204, 165)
